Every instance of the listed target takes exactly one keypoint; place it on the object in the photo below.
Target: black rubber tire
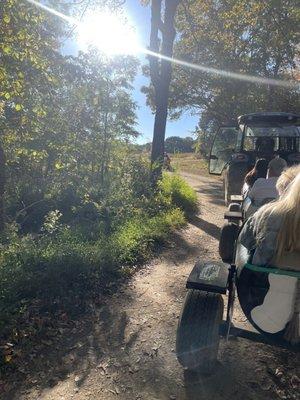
(228, 237)
(197, 341)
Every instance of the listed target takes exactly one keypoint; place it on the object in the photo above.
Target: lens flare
(109, 32)
(53, 12)
(228, 74)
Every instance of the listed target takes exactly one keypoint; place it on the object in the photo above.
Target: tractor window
(273, 131)
(223, 146)
(289, 144)
(271, 144)
(268, 140)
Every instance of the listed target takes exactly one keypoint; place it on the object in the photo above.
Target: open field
(188, 162)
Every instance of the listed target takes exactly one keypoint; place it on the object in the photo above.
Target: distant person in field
(262, 188)
(259, 170)
(167, 161)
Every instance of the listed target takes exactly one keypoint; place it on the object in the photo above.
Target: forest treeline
(250, 37)
(79, 207)
(174, 144)
(254, 37)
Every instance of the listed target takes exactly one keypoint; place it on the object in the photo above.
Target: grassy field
(187, 162)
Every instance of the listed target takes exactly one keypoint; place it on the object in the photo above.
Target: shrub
(45, 268)
(177, 191)
(134, 241)
(65, 265)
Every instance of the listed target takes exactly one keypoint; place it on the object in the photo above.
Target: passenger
(263, 189)
(259, 170)
(265, 146)
(286, 178)
(250, 236)
(273, 233)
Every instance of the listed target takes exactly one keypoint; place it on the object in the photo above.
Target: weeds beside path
(124, 347)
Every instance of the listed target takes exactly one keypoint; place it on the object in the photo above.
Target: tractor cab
(261, 135)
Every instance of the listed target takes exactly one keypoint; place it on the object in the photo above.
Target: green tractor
(261, 135)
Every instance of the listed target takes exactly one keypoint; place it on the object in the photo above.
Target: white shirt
(263, 189)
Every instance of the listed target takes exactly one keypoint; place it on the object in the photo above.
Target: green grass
(134, 242)
(59, 270)
(178, 191)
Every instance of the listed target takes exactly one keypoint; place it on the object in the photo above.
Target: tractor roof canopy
(269, 119)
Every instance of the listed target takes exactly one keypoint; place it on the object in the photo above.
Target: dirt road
(125, 349)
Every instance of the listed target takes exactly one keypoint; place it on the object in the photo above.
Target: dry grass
(187, 162)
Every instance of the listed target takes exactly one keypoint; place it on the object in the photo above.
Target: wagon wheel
(197, 341)
(228, 237)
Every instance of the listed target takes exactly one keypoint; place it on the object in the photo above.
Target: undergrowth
(180, 193)
(55, 271)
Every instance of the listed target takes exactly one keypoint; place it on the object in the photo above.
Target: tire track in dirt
(127, 349)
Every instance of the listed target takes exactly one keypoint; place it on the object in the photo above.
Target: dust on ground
(125, 348)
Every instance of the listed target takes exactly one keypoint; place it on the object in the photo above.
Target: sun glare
(108, 32)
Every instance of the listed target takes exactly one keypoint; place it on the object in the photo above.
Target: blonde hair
(286, 178)
(288, 208)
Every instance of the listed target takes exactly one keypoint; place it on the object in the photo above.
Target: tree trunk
(160, 72)
(159, 130)
(2, 187)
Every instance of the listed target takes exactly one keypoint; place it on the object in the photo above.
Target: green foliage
(250, 37)
(43, 269)
(134, 240)
(178, 192)
(51, 223)
(176, 144)
(63, 261)
(80, 207)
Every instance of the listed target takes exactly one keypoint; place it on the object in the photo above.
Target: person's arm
(265, 247)
(253, 191)
(247, 235)
(245, 190)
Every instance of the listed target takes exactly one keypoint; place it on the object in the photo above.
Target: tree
(250, 37)
(28, 51)
(176, 144)
(160, 72)
(64, 121)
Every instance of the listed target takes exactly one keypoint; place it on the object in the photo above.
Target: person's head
(288, 208)
(265, 144)
(276, 167)
(285, 179)
(261, 168)
(258, 171)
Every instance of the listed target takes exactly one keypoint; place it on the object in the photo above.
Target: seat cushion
(267, 296)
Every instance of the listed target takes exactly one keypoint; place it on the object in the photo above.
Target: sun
(109, 32)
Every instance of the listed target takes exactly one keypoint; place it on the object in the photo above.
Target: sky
(139, 17)
(186, 124)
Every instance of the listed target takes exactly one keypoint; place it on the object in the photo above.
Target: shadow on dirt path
(207, 227)
(124, 347)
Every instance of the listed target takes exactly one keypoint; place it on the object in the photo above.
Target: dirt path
(125, 349)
